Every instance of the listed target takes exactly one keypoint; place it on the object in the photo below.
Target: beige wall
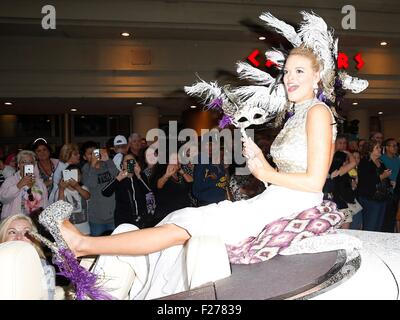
(391, 127)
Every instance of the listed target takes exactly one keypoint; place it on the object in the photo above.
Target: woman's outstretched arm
(319, 156)
(138, 242)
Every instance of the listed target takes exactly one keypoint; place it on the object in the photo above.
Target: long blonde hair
(5, 224)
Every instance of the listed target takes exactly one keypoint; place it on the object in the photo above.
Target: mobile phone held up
(97, 154)
(70, 174)
(28, 169)
(130, 165)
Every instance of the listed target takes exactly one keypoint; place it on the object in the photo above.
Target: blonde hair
(24, 153)
(67, 150)
(325, 84)
(327, 80)
(5, 224)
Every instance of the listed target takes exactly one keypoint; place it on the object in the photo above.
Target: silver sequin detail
(54, 214)
(289, 150)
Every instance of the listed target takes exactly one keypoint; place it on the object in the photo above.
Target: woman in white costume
(303, 152)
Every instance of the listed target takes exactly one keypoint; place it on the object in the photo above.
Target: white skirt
(164, 273)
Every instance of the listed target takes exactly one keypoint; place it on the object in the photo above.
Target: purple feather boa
(83, 280)
(215, 104)
(225, 121)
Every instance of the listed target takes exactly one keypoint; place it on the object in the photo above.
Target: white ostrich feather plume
(248, 72)
(355, 85)
(282, 27)
(206, 90)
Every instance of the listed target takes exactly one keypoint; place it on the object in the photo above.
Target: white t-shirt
(117, 160)
(79, 216)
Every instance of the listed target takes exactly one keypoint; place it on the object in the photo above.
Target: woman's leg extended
(138, 242)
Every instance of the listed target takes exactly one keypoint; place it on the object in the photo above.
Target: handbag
(383, 191)
(355, 207)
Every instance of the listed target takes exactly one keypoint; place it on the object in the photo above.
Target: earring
(315, 87)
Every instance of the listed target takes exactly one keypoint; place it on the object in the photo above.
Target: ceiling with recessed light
(86, 63)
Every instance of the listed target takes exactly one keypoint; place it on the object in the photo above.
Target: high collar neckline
(306, 103)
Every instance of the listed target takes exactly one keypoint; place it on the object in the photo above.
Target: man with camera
(129, 187)
(97, 173)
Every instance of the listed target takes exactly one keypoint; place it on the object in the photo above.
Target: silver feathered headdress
(261, 102)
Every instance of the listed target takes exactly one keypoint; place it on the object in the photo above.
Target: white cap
(120, 140)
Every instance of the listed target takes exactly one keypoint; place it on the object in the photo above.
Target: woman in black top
(371, 171)
(130, 195)
(172, 186)
(342, 192)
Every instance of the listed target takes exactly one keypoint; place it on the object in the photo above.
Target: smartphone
(97, 154)
(130, 165)
(70, 174)
(28, 169)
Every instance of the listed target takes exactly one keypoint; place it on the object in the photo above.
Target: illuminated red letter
(270, 64)
(342, 61)
(359, 60)
(252, 58)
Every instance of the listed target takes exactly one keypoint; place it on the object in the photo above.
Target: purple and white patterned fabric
(280, 234)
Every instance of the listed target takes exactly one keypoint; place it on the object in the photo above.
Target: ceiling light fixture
(193, 107)
(74, 110)
(380, 112)
(125, 34)
(355, 103)
(8, 103)
(262, 38)
(139, 103)
(384, 43)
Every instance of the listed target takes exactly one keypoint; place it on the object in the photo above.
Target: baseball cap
(120, 140)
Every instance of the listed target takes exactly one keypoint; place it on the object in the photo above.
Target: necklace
(46, 171)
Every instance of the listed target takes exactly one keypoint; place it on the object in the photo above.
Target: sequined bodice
(289, 150)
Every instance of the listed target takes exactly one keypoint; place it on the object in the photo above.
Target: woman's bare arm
(319, 156)
(347, 167)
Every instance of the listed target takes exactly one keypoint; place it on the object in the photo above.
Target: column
(67, 129)
(144, 119)
(361, 115)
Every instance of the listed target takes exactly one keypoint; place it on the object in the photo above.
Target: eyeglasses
(30, 195)
(26, 162)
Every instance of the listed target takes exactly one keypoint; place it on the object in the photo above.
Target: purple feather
(225, 121)
(83, 280)
(289, 114)
(215, 104)
(320, 96)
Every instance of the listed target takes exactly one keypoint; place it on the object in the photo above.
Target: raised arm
(347, 167)
(319, 156)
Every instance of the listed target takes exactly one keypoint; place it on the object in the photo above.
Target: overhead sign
(342, 60)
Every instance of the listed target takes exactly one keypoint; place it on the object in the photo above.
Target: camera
(28, 169)
(97, 154)
(70, 174)
(130, 165)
